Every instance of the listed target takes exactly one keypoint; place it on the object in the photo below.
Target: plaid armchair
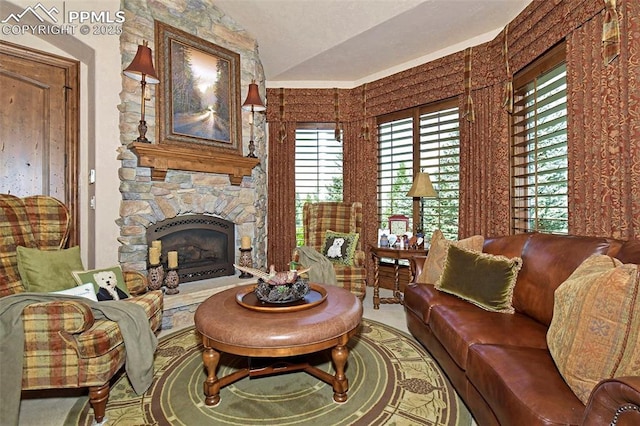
(65, 346)
(317, 218)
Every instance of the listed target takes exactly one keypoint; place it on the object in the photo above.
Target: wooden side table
(391, 253)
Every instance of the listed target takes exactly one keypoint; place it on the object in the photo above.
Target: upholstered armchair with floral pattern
(340, 217)
(64, 345)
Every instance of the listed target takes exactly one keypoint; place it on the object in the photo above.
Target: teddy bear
(336, 249)
(107, 282)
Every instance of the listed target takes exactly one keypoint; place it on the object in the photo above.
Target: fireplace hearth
(205, 245)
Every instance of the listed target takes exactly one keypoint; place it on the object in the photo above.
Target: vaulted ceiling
(344, 43)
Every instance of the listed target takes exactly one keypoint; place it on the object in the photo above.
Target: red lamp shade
(253, 101)
(142, 66)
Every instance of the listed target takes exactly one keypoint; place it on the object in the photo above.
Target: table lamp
(421, 188)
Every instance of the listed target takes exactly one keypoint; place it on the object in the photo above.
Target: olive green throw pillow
(437, 255)
(44, 271)
(483, 279)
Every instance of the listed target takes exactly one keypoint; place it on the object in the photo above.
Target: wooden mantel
(162, 157)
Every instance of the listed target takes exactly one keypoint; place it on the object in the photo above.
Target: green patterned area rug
(392, 381)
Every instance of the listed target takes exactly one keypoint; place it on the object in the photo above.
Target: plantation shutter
(318, 167)
(539, 159)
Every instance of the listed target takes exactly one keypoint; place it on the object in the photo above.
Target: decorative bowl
(281, 293)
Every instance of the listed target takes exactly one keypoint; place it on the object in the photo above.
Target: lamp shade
(253, 101)
(422, 186)
(142, 65)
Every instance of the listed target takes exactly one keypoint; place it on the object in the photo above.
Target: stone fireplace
(205, 245)
(180, 183)
(196, 207)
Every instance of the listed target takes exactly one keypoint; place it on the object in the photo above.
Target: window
(432, 147)
(318, 168)
(440, 158)
(395, 169)
(539, 147)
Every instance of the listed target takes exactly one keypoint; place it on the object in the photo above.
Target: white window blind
(539, 159)
(395, 169)
(318, 168)
(434, 143)
(440, 158)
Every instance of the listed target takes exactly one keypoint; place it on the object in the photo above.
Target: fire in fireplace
(205, 245)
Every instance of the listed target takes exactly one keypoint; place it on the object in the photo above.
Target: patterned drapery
(282, 131)
(468, 112)
(281, 230)
(484, 168)
(604, 131)
(507, 102)
(604, 110)
(610, 32)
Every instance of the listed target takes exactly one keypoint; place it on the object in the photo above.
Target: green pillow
(44, 271)
(108, 283)
(340, 247)
(483, 279)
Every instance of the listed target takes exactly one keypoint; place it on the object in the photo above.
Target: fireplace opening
(205, 245)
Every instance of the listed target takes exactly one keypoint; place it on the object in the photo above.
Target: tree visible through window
(318, 168)
(539, 159)
(434, 143)
(395, 169)
(440, 158)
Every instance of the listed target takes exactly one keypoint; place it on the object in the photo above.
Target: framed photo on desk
(398, 224)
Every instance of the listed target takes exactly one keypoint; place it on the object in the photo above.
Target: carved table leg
(396, 282)
(376, 282)
(211, 386)
(339, 355)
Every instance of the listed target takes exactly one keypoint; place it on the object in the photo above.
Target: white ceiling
(345, 43)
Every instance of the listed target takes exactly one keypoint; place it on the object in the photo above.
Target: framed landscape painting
(199, 94)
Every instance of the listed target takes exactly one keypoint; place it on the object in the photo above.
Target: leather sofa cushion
(629, 252)
(459, 327)
(522, 386)
(548, 260)
(509, 246)
(421, 298)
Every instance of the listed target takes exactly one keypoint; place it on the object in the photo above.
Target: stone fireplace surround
(146, 200)
(146, 203)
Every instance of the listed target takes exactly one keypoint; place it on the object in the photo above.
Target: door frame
(71, 69)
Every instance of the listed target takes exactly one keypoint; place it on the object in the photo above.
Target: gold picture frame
(198, 101)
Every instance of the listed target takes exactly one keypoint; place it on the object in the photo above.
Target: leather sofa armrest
(136, 282)
(416, 263)
(614, 402)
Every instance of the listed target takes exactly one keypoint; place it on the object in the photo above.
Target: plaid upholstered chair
(317, 218)
(64, 345)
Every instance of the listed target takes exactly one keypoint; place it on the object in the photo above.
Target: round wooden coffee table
(227, 326)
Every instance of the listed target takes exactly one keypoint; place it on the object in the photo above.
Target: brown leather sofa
(500, 363)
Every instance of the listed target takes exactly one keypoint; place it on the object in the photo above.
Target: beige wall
(100, 73)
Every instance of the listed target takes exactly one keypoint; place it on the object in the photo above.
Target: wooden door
(39, 126)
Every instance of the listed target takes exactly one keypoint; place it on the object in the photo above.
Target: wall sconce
(421, 188)
(253, 103)
(141, 69)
